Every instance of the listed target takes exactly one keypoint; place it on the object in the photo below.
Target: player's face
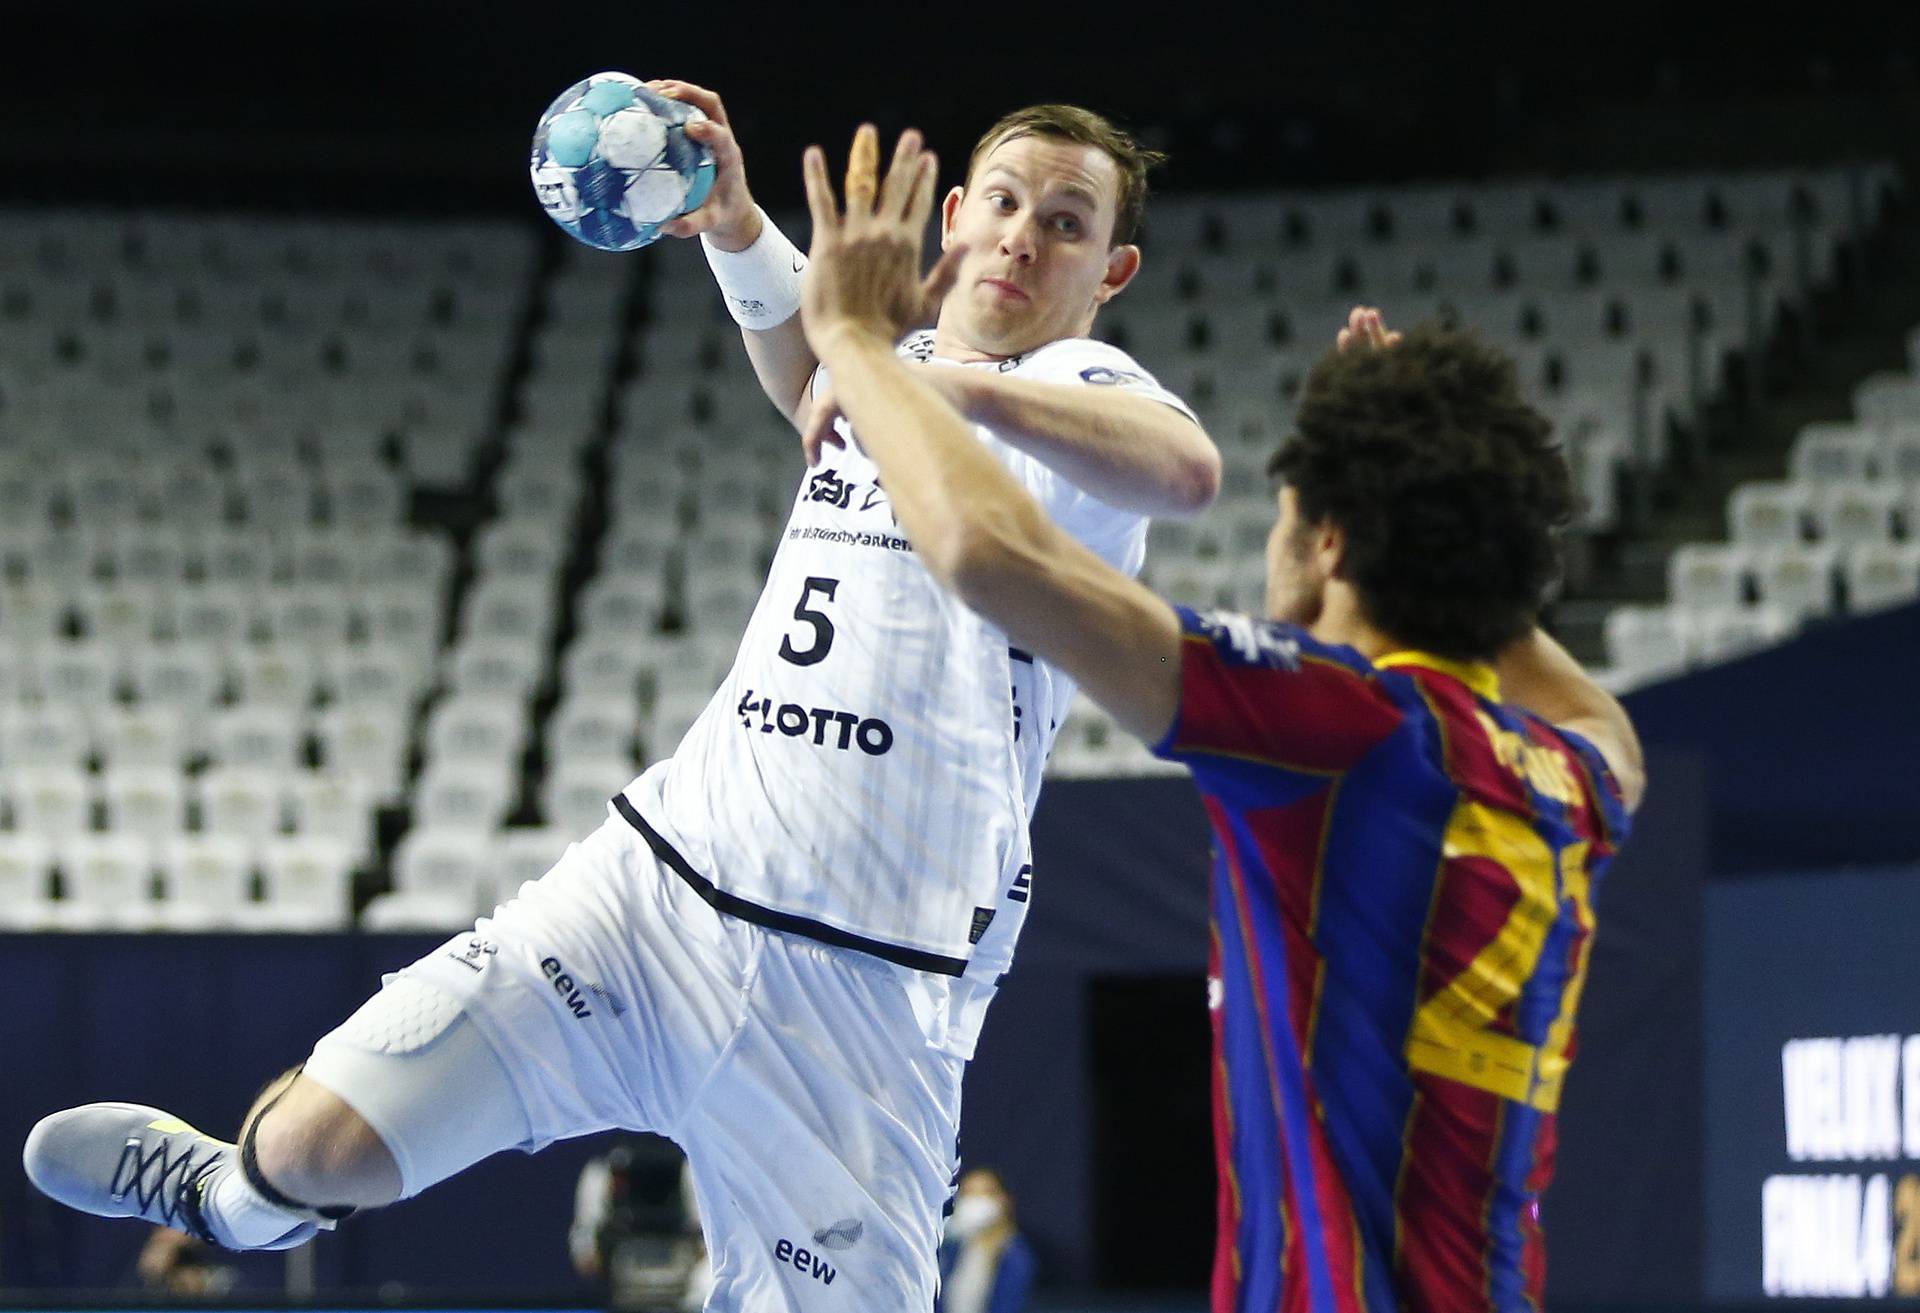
(1037, 217)
(1296, 576)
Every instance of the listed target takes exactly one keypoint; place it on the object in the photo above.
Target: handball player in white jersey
(779, 948)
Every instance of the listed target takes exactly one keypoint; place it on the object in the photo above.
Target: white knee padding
(416, 1068)
(403, 1017)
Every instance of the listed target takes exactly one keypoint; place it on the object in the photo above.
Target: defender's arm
(985, 538)
(1538, 674)
(1132, 452)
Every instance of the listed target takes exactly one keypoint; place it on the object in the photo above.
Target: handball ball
(612, 162)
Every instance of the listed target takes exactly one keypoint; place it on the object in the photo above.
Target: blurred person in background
(176, 1264)
(986, 1265)
(636, 1227)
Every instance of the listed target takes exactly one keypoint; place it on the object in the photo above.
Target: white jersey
(866, 772)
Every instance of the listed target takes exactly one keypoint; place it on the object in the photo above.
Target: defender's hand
(728, 215)
(863, 273)
(1365, 328)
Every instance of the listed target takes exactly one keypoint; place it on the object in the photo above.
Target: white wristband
(761, 283)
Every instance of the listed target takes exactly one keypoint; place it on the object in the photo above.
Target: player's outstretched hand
(728, 215)
(1365, 328)
(863, 273)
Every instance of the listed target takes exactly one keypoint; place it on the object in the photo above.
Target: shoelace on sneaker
(178, 1199)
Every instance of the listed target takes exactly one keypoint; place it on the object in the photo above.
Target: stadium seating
(212, 596)
(242, 651)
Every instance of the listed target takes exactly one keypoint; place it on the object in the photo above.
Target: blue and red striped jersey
(1402, 913)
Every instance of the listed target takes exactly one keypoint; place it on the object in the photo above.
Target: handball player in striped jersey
(1415, 792)
(779, 948)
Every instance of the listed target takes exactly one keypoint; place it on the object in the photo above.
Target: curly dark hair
(1447, 485)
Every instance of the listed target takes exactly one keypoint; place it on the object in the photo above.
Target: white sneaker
(128, 1160)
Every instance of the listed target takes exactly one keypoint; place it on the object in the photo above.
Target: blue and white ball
(612, 162)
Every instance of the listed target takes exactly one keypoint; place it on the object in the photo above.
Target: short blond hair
(1086, 128)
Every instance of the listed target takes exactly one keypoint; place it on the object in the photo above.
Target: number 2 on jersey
(819, 621)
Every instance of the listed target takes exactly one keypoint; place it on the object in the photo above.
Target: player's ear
(1329, 547)
(1123, 262)
(948, 209)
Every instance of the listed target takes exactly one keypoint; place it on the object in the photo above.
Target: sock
(239, 1216)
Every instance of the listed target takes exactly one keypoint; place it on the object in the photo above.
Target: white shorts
(819, 1121)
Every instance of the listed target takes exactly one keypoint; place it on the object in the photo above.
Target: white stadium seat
(1707, 575)
(55, 802)
(149, 803)
(599, 665)
(307, 881)
(593, 726)
(1647, 642)
(1879, 575)
(267, 737)
(377, 675)
(241, 801)
(109, 883)
(281, 676)
(490, 729)
(527, 852)
(508, 608)
(497, 665)
(576, 791)
(1724, 634)
(365, 744)
(310, 616)
(182, 676)
(330, 804)
(1850, 512)
(49, 735)
(1798, 580)
(79, 673)
(26, 881)
(1828, 452)
(1769, 514)
(464, 794)
(449, 863)
(204, 881)
(409, 911)
(1889, 397)
(620, 604)
(521, 551)
(1900, 458)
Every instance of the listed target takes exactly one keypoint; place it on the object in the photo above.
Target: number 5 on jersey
(818, 621)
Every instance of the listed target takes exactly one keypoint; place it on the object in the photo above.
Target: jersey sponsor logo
(827, 727)
(564, 986)
(475, 953)
(1257, 642)
(599, 992)
(805, 1260)
(848, 537)
(828, 488)
(843, 1234)
(1102, 376)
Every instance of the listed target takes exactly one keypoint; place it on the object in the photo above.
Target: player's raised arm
(1133, 452)
(1541, 676)
(757, 268)
(978, 531)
